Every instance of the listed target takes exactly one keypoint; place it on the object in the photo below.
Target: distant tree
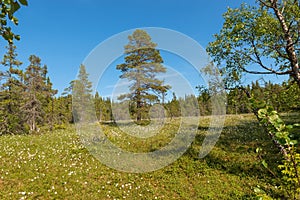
(103, 108)
(36, 93)
(63, 109)
(142, 64)
(289, 97)
(272, 95)
(49, 107)
(82, 96)
(8, 9)
(237, 101)
(189, 105)
(204, 100)
(108, 114)
(174, 107)
(98, 106)
(262, 39)
(11, 116)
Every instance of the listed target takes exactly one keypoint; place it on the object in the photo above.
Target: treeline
(29, 104)
(282, 97)
(27, 99)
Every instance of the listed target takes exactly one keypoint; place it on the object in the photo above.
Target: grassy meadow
(55, 165)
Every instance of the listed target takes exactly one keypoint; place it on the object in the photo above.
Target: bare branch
(269, 70)
(265, 73)
(265, 4)
(254, 72)
(280, 53)
(259, 61)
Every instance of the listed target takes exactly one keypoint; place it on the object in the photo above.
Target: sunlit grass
(55, 165)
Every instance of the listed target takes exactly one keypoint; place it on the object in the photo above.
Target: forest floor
(56, 165)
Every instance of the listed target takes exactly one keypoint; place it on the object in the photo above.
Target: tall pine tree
(142, 64)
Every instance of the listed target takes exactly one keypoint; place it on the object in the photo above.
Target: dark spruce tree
(36, 94)
(142, 63)
(174, 107)
(49, 107)
(82, 97)
(10, 94)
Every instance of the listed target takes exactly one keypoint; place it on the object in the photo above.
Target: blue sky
(63, 32)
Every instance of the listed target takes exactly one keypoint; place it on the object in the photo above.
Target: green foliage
(63, 110)
(282, 97)
(103, 108)
(27, 98)
(82, 97)
(281, 134)
(173, 107)
(260, 39)
(290, 169)
(261, 194)
(37, 94)
(7, 11)
(238, 102)
(204, 100)
(11, 94)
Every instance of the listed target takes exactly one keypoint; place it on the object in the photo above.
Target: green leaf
(289, 127)
(17, 37)
(4, 22)
(271, 110)
(293, 142)
(279, 134)
(262, 112)
(15, 20)
(273, 118)
(264, 164)
(258, 150)
(14, 7)
(257, 190)
(282, 141)
(24, 2)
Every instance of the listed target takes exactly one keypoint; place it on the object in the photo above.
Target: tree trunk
(290, 49)
(138, 109)
(138, 97)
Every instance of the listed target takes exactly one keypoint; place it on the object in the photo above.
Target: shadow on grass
(125, 123)
(235, 151)
(109, 123)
